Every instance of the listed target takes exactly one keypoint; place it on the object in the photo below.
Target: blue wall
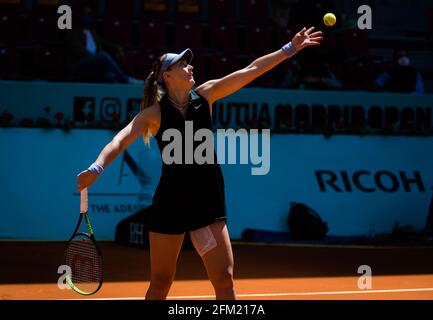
(378, 179)
(38, 171)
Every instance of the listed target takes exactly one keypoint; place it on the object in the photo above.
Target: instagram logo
(110, 110)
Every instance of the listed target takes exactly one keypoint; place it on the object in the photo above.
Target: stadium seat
(254, 11)
(284, 35)
(222, 64)
(130, 65)
(12, 6)
(49, 62)
(118, 31)
(120, 9)
(10, 29)
(431, 23)
(359, 74)
(329, 40)
(154, 9)
(46, 6)
(224, 36)
(188, 10)
(222, 10)
(355, 42)
(201, 66)
(43, 29)
(9, 62)
(270, 79)
(144, 62)
(93, 3)
(147, 57)
(258, 38)
(153, 33)
(16, 62)
(188, 34)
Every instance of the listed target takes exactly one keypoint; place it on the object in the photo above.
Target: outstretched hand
(305, 38)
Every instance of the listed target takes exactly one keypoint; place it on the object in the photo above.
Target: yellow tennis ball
(329, 19)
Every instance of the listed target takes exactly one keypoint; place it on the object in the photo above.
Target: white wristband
(289, 49)
(96, 169)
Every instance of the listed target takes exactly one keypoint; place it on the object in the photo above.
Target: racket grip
(83, 201)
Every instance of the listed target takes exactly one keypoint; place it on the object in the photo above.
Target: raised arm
(147, 119)
(217, 89)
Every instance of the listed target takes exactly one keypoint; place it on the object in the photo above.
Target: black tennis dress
(188, 196)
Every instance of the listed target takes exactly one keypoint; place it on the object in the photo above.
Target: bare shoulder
(205, 90)
(153, 110)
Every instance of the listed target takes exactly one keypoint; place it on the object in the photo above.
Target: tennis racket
(83, 256)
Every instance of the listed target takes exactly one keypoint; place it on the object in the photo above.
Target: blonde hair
(152, 93)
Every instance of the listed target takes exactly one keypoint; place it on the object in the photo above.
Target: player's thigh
(164, 251)
(219, 260)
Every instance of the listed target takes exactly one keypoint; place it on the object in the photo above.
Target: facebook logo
(84, 109)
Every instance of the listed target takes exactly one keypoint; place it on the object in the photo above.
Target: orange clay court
(277, 272)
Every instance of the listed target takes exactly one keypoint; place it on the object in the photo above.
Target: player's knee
(224, 279)
(161, 280)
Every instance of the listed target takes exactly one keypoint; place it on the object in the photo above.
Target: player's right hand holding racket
(83, 255)
(85, 179)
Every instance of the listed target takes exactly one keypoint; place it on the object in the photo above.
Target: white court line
(283, 294)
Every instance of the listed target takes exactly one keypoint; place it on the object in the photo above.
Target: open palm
(305, 38)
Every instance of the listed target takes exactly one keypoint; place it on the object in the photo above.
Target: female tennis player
(189, 197)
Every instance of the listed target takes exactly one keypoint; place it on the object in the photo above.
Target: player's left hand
(305, 38)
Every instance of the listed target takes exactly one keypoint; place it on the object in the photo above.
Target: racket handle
(83, 201)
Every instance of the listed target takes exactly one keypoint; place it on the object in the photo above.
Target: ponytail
(152, 94)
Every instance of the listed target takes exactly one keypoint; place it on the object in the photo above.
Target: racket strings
(85, 262)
